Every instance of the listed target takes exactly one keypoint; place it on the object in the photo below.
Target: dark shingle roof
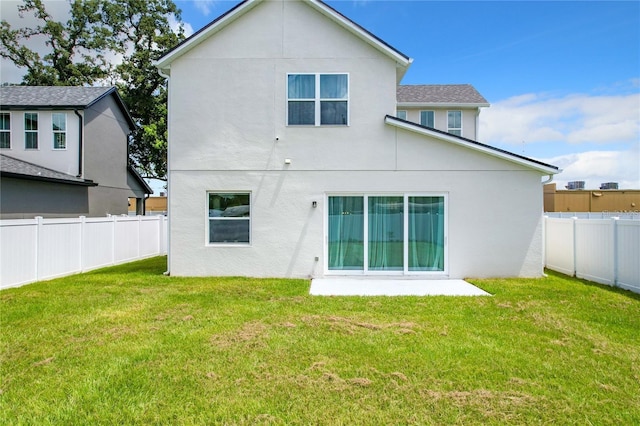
(12, 167)
(51, 96)
(440, 94)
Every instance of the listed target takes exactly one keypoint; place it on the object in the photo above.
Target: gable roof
(164, 62)
(12, 167)
(439, 94)
(59, 97)
(545, 168)
(143, 184)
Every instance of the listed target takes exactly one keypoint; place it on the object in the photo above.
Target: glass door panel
(426, 234)
(386, 233)
(346, 233)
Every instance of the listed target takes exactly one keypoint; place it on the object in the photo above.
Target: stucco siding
(26, 199)
(105, 158)
(228, 133)
(288, 233)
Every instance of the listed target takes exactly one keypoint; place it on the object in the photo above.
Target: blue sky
(563, 78)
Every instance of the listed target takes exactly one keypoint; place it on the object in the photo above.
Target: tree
(139, 31)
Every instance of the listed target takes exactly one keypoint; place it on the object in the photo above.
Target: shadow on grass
(150, 266)
(621, 291)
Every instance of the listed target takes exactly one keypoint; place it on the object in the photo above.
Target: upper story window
(427, 118)
(30, 130)
(5, 130)
(454, 122)
(401, 114)
(229, 218)
(318, 99)
(59, 128)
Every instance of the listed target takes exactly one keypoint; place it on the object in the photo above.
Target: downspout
(80, 141)
(544, 182)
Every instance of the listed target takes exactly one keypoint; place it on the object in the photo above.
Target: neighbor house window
(317, 99)
(59, 128)
(454, 122)
(427, 118)
(229, 218)
(31, 130)
(5, 130)
(401, 114)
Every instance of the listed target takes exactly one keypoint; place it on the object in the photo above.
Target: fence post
(614, 229)
(575, 246)
(113, 239)
(139, 236)
(39, 224)
(82, 244)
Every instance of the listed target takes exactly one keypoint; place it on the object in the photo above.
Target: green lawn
(127, 345)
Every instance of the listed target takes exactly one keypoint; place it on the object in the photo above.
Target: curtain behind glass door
(346, 229)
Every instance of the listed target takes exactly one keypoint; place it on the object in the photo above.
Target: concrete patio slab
(392, 287)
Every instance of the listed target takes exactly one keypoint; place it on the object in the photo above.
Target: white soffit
(476, 146)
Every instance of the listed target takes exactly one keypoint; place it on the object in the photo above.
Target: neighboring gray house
(286, 159)
(64, 153)
(453, 108)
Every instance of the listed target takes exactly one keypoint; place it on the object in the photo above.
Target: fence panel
(98, 243)
(127, 239)
(59, 247)
(149, 236)
(38, 249)
(606, 251)
(594, 250)
(18, 253)
(628, 251)
(559, 254)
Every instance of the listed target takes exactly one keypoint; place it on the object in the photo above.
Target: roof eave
(546, 169)
(136, 175)
(85, 182)
(443, 104)
(164, 62)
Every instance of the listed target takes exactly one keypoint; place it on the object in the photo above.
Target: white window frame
(318, 100)
(405, 269)
(458, 129)
(404, 112)
(7, 131)
(31, 131)
(55, 132)
(208, 220)
(434, 117)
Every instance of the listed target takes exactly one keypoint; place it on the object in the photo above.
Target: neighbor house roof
(439, 94)
(474, 145)
(164, 63)
(59, 97)
(12, 167)
(145, 186)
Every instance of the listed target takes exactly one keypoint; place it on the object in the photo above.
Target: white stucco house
(286, 159)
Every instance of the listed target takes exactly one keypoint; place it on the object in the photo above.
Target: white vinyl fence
(40, 249)
(606, 251)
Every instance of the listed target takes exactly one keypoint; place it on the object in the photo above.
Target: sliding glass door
(386, 233)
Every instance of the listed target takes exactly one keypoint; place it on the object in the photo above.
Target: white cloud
(596, 167)
(204, 6)
(573, 119)
(175, 26)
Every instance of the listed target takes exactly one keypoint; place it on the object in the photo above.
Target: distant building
(591, 200)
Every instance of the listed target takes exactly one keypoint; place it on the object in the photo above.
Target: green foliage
(128, 345)
(81, 51)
